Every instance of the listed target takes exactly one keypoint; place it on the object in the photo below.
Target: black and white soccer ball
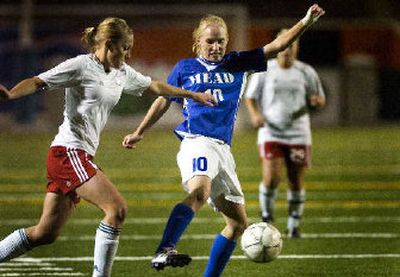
(261, 242)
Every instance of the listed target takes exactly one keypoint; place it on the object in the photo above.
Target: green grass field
(351, 225)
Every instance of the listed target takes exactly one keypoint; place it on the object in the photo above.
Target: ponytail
(111, 28)
(89, 39)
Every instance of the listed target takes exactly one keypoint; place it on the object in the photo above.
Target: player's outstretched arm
(163, 89)
(25, 87)
(155, 112)
(283, 41)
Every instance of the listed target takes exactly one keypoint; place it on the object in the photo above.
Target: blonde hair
(206, 21)
(112, 28)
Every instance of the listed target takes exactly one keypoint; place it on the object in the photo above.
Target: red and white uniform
(90, 95)
(282, 95)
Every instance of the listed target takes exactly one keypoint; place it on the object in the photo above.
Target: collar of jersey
(96, 59)
(207, 64)
(98, 62)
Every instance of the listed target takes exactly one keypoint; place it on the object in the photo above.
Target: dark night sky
(352, 9)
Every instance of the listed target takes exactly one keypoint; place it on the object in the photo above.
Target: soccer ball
(261, 242)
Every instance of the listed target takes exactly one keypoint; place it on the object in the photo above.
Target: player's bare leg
(199, 191)
(101, 192)
(268, 189)
(235, 217)
(57, 209)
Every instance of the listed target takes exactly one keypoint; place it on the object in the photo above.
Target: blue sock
(220, 253)
(179, 219)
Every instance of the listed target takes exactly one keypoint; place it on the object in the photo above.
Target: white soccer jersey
(282, 96)
(90, 95)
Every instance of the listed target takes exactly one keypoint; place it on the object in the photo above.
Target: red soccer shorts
(298, 154)
(67, 169)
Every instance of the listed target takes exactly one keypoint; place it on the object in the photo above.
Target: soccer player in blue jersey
(205, 160)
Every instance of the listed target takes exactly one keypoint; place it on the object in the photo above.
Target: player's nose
(215, 45)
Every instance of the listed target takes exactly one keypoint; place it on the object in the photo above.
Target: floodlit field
(351, 225)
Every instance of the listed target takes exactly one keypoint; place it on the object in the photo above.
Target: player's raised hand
(130, 140)
(205, 99)
(4, 93)
(313, 13)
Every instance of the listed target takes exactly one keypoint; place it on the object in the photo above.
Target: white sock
(267, 198)
(14, 245)
(105, 248)
(296, 206)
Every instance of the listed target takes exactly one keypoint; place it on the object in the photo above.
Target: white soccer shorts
(207, 156)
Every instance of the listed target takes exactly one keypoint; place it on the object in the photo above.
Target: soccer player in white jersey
(93, 85)
(279, 101)
(205, 160)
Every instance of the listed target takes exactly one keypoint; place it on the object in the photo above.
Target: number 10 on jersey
(217, 93)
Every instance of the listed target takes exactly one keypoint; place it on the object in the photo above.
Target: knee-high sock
(296, 206)
(220, 253)
(105, 248)
(267, 198)
(14, 245)
(178, 221)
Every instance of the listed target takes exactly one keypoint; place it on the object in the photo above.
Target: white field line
(352, 235)
(235, 257)
(26, 264)
(42, 274)
(2, 269)
(202, 220)
(212, 236)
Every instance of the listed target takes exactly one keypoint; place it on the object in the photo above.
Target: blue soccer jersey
(225, 80)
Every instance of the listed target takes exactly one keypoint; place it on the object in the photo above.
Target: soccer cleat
(169, 257)
(294, 233)
(268, 219)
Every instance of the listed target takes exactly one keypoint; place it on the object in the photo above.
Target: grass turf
(353, 192)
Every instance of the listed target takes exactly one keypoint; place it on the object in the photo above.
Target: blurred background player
(205, 159)
(279, 102)
(93, 85)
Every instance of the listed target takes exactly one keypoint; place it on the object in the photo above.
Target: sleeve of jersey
(254, 85)
(314, 83)
(174, 79)
(253, 60)
(65, 74)
(136, 82)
